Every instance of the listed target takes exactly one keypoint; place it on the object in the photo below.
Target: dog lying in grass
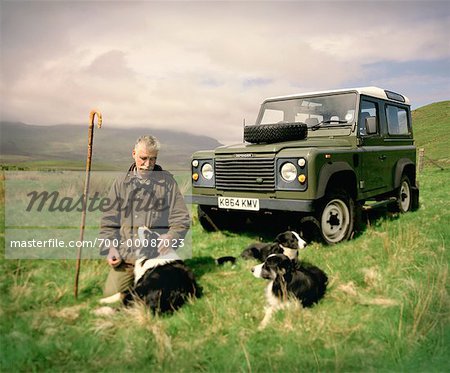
(163, 283)
(290, 280)
(287, 243)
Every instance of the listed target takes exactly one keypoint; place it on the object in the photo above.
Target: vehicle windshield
(320, 113)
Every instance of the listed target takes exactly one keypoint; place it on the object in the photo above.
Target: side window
(368, 109)
(397, 119)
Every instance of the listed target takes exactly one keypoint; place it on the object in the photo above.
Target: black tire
(405, 195)
(270, 133)
(336, 216)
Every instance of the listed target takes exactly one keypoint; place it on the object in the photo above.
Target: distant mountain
(112, 146)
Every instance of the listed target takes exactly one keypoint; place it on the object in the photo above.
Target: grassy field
(387, 308)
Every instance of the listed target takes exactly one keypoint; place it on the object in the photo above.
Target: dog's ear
(281, 238)
(148, 243)
(256, 253)
(285, 265)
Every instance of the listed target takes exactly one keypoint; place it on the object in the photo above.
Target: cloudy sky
(203, 67)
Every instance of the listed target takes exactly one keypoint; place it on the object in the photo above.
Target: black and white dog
(287, 243)
(289, 280)
(163, 283)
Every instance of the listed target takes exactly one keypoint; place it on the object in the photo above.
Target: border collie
(289, 280)
(287, 243)
(163, 283)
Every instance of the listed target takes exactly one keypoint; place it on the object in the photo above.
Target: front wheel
(336, 217)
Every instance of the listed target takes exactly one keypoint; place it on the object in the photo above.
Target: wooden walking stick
(92, 115)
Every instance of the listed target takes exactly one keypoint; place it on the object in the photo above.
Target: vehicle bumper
(264, 203)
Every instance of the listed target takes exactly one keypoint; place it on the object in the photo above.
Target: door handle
(382, 157)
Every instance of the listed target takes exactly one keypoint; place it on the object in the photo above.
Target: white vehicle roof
(368, 91)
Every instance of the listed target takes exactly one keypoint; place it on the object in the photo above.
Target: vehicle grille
(257, 174)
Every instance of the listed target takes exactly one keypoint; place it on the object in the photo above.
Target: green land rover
(318, 157)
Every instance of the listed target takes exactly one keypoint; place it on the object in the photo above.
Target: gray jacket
(156, 203)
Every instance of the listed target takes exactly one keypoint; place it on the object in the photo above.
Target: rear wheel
(336, 217)
(404, 197)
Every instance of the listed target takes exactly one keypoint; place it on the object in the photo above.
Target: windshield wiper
(318, 125)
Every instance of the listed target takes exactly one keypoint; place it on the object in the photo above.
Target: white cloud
(201, 67)
(425, 41)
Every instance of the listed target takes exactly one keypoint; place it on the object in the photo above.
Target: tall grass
(386, 308)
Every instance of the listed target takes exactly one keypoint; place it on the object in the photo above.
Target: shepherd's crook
(92, 115)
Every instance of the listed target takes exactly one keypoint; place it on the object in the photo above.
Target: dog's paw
(112, 299)
(267, 317)
(262, 326)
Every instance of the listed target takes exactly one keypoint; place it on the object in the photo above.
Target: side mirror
(371, 125)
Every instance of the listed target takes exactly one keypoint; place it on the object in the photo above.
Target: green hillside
(431, 130)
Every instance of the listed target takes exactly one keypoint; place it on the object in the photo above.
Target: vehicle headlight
(301, 162)
(207, 171)
(288, 172)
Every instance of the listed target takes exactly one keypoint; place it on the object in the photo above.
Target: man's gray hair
(149, 142)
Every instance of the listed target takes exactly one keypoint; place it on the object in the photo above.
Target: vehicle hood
(275, 148)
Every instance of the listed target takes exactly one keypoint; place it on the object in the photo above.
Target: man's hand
(165, 242)
(114, 258)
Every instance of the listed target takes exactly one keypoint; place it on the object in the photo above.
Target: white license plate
(237, 203)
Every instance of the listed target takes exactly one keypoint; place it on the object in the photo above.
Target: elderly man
(147, 198)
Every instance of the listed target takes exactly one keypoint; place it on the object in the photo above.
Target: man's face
(145, 159)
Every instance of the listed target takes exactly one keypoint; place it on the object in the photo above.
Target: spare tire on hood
(271, 133)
